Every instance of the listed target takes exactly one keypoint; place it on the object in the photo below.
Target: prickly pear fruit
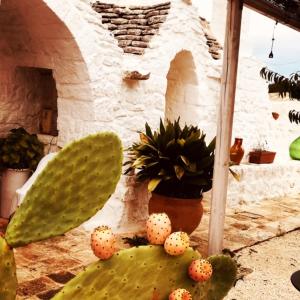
(71, 189)
(200, 270)
(222, 279)
(103, 242)
(177, 243)
(180, 294)
(158, 228)
(8, 278)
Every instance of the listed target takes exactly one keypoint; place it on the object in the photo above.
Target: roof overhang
(283, 11)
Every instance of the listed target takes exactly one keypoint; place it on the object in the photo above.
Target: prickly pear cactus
(135, 273)
(70, 190)
(8, 279)
(222, 280)
(147, 273)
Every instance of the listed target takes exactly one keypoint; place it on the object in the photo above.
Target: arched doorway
(38, 51)
(182, 89)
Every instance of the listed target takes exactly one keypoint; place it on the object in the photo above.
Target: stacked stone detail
(215, 48)
(133, 26)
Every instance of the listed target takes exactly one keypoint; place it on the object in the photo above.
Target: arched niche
(38, 44)
(182, 87)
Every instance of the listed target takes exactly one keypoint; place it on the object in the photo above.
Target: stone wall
(21, 99)
(24, 94)
(88, 65)
(133, 26)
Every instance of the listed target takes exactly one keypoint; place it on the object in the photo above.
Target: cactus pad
(222, 280)
(70, 190)
(135, 273)
(8, 279)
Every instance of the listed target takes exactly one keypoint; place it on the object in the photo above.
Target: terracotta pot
(11, 181)
(185, 214)
(261, 157)
(275, 115)
(237, 151)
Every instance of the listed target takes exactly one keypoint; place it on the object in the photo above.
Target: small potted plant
(178, 165)
(260, 154)
(20, 153)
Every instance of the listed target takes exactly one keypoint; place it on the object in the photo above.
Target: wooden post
(224, 130)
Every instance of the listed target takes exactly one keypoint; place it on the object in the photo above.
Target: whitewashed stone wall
(21, 99)
(68, 37)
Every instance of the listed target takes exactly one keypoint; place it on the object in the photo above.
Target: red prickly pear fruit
(180, 294)
(177, 243)
(200, 270)
(103, 242)
(158, 228)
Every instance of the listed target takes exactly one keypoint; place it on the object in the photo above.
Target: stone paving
(44, 267)
(247, 225)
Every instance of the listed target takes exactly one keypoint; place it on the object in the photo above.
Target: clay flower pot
(275, 115)
(237, 151)
(12, 179)
(185, 214)
(261, 157)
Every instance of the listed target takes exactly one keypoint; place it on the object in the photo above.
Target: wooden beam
(224, 130)
(272, 11)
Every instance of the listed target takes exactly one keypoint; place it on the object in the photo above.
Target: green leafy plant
(294, 116)
(20, 150)
(176, 161)
(282, 85)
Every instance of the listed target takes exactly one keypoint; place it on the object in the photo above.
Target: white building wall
(68, 37)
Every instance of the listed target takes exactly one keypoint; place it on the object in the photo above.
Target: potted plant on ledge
(260, 155)
(178, 166)
(20, 153)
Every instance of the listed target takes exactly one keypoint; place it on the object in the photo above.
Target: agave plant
(176, 161)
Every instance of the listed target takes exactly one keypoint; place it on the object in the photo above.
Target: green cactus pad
(222, 280)
(70, 190)
(8, 279)
(135, 273)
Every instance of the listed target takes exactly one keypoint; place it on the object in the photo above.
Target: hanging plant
(282, 85)
(294, 116)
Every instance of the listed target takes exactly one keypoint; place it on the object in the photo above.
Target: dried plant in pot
(178, 164)
(260, 154)
(20, 153)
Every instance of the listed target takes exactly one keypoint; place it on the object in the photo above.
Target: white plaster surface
(68, 37)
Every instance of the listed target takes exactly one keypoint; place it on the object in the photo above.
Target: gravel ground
(272, 263)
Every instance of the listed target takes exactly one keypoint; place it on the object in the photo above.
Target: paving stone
(43, 267)
(61, 277)
(48, 294)
(36, 286)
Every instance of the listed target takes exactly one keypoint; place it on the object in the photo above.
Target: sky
(286, 48)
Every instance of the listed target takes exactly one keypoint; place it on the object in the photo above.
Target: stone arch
(182, 87)
(50, 35)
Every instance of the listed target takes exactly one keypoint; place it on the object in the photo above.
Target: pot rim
(18, 170)
(177, 199)
(262, 151)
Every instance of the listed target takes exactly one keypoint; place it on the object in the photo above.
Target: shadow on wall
(182, 89)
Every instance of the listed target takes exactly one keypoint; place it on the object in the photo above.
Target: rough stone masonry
(133, 26)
